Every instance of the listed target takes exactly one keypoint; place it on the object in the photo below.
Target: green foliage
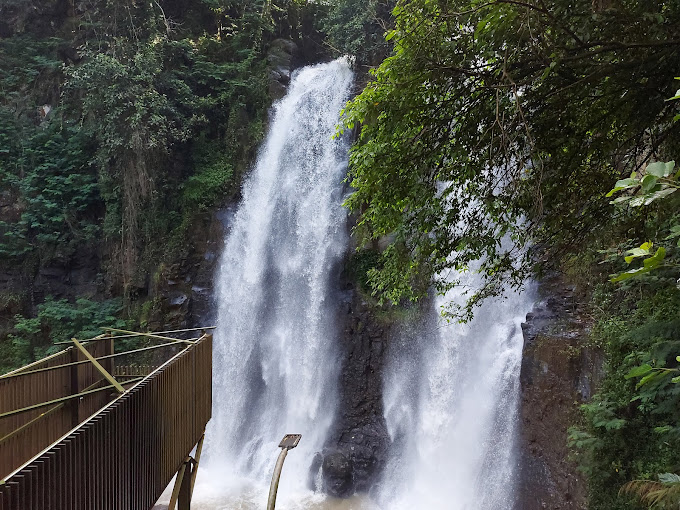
(58, 320)
(131, 102)
(113, 162)
(650, 263)
(360, 264)
(632, 424)
(28, 68)
(212, 178)
(662, 494)
(496, 125)
(56, 193)
(45, 167)
(357, 28)
(143, 104)
(657, 182)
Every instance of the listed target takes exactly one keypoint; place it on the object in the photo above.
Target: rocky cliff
(559, 372)
(356, 449)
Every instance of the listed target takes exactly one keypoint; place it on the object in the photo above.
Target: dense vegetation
(121, 124)
(491, 138)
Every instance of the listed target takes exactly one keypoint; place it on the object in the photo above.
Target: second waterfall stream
(450, 391)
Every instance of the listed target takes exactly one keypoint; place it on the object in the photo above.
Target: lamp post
(288, 442)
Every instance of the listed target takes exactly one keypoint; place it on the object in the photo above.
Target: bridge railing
(55, 377)
(125, 454)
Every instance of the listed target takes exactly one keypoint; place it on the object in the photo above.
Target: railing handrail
(133, 335)
(11, 375)
(37, 362)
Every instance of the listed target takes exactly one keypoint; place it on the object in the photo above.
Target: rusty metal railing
(125, 454)
(23, 435)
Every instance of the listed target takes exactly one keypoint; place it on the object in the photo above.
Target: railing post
(75, 389)
(184, 500)
(109, 350)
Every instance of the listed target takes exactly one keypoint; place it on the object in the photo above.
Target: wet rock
(559, 371)
(176, 300)
(359, 431)
(337, 472)
(315, 480)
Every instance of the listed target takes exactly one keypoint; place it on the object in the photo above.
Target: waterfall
(275, 363)
(451, 395)
(450, 390)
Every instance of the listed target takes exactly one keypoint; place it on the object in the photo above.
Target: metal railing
(123, 455)
(24, 434)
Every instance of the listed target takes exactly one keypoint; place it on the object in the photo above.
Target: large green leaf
(669, 478)
(640, 371)
(660, 169)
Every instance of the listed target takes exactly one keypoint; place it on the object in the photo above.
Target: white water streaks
(451, 394)
(275, 362)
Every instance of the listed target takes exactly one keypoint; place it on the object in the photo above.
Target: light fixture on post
(288, 442)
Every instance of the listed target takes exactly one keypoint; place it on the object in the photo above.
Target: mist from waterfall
(451, 401)
(275, 361)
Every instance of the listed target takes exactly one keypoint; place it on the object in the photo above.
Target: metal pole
(275, 479)
(288, 442)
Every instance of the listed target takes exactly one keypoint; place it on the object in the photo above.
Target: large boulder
(337, 474)
(560, 371)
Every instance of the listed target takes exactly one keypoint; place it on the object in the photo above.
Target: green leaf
(659, 194)
(629, 274)
(660, 169)
(639, 371)
(648, 182)
(675, 97)
(675, 232)
(623, 184)
(649, 377)
(642, 251)
(669, 478)
(620, 200)
(655, 261)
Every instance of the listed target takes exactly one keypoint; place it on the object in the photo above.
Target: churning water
(450, 390)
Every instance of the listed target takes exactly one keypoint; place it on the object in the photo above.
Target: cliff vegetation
(526, 138)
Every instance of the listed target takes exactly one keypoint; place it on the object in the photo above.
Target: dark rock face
(186, 290)
(359, 432)
(558, 373)
(280, 58)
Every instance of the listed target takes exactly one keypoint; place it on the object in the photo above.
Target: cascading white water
(451, 394)
(275, 365)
